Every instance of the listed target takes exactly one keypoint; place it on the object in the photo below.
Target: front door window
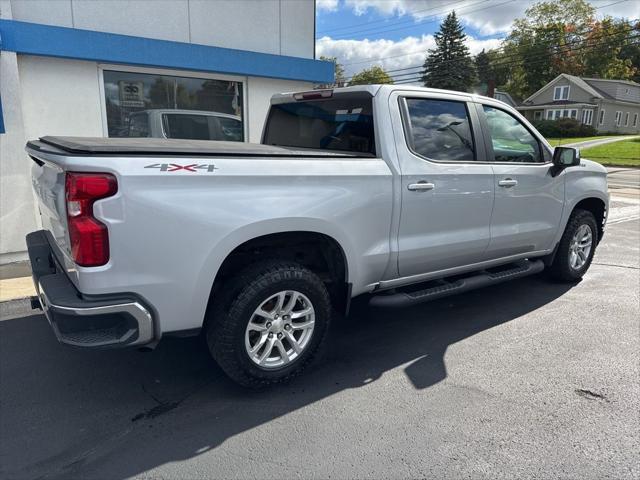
(511, 140)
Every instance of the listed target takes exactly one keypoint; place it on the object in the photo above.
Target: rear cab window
(343, 122)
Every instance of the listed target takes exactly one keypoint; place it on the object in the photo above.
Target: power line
(347, 27)
(413, 24)
(533, 62)
(435, 18)
(367, 60)
(517, 55)
(563, 50)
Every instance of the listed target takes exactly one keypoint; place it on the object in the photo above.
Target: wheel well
(318, 252)
(595, 206)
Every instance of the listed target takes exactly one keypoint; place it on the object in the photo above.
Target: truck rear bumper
(94, 321)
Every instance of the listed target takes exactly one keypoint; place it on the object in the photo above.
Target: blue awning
(72, 43)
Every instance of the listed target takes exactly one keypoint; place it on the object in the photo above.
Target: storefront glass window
(166, 106)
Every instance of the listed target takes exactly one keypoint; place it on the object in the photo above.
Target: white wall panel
(60, 97)
(243, 24)
(166, 20)
(17, 212)
(271, 26)
(298, 21)
(49, 12)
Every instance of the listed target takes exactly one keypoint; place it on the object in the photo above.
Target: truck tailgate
(48, 180)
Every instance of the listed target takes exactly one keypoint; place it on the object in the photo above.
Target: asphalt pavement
(528, 379)
(619, 177)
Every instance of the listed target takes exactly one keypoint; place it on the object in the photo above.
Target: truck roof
(374, 90)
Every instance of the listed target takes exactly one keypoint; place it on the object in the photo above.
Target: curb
(16, 288)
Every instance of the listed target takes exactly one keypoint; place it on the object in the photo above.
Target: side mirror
(564, 157)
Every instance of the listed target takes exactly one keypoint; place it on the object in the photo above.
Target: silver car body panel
(170, 232)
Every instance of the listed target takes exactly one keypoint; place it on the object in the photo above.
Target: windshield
(342, 123)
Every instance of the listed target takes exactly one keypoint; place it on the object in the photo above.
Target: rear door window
(138, 125)
(342, 123)
(439, 129)
(230, 129)
(191, 127)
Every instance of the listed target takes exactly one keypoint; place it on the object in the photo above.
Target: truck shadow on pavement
(115, 414)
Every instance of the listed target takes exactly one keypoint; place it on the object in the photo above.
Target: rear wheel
(577, 247)
(271, 325)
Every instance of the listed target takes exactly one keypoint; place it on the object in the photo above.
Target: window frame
(545, 159)
(407, 129)
(626, 119)
(635, 120)
(601, 116)
(587, 114)
(561, 88)
(101, 67)
(618, 118)
(551, 113)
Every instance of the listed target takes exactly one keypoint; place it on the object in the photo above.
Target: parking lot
(525, 379)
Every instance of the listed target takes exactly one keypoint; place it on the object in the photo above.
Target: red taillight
(89, 237)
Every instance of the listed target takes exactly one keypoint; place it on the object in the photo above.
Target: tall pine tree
(449, 65)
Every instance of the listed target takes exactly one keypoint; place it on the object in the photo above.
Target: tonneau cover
(162, 146)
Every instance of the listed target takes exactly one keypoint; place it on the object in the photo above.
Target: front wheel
(272, 326)
(576, 248)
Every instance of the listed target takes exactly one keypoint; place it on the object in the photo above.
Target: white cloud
(629, 9)
(489, 17)
(327, 5)
(357, 55)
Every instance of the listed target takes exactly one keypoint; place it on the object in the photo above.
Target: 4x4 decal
(174, 167)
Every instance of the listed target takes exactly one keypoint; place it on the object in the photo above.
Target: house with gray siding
(607, 105)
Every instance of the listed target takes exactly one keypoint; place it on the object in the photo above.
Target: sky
(397, 33)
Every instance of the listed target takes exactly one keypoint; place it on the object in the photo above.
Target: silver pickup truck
(403, 194)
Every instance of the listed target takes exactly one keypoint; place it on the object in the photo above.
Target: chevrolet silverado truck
(403, 194)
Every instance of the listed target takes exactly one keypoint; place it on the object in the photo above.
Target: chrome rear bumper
(91, 321)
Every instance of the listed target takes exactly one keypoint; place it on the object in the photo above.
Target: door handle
(508, 182)
(421, 186)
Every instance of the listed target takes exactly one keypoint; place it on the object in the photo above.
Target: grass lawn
(624, 153)
(562, 141)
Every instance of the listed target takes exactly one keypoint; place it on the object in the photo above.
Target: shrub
(564, 127)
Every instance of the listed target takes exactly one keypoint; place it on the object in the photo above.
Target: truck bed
(159, 146)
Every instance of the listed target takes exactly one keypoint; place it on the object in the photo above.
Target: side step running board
(458, 284)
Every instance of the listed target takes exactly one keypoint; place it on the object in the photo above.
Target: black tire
(561, 268)
(225, 330)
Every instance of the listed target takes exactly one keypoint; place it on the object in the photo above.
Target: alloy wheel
(280, 329)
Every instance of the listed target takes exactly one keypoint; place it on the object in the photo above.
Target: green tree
(611, 48)
(449, 65)
(563, 36)
(631, 52)
(545, 42)
(338, 72)
(483, 68)
(373, 75)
